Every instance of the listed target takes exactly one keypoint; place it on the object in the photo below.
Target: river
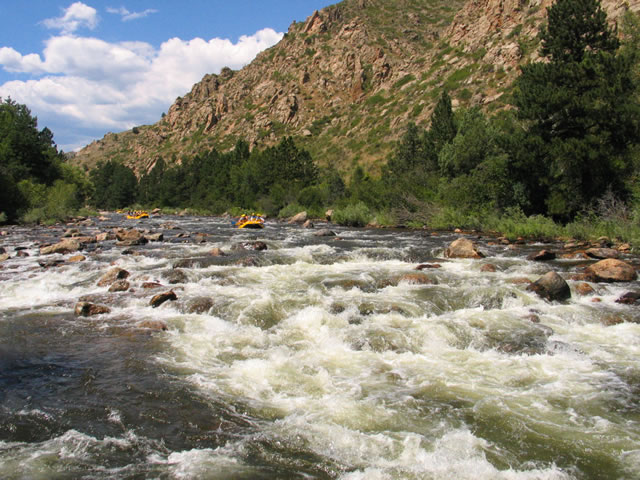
(314, 358)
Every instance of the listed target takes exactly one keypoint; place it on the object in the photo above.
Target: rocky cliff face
(347, 81)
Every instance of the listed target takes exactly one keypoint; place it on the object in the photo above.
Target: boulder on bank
(611, 270)
(112, 275)
(299, 218)
(463, 248)
(551, 286)
(87, 309)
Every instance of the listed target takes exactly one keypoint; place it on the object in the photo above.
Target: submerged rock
(551, 286)
(87, 309)
(112, 275)
(629, 298)
(119, 286)
(199, 305)
(153, 325)
(542, 256)
(325, 232)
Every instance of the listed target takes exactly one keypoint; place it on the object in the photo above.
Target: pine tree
(580, 106)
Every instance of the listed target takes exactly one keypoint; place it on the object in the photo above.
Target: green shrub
(353, 215)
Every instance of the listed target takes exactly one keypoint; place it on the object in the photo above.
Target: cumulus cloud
(88, 83)
(74, 17)
(128, 16)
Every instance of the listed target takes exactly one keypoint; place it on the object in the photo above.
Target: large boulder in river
(611, 270)
(65, 246)
(127, 238)
(551, 286)
(159, 299)
(462, 248)
(299, 218)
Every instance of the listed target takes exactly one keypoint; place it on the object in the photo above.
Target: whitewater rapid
(320, 361)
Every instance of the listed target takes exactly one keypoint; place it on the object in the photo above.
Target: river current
(319, 357)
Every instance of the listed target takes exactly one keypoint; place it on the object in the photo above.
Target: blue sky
(86, 68)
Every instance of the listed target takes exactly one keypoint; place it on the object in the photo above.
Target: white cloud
(76, 16)
(87, 83)
(128, 16)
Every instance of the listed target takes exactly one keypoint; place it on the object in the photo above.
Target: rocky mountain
(346, 81)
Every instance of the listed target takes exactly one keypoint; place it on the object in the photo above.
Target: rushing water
(316, 361)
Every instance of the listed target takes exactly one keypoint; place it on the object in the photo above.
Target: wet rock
(4, 257)
(128, 238)
(542, 256)
(424, 266)
(112, 275)
(175, 276)
(154, 237)
(584, 288)
(325, 232)
(87, 309)
(119, 286)
(71, 232)
(463, 248)
(159, 299)
(76, 259)
(258, 246)
(308, 224)
(328, 214)
(3, 250)
(150, 285)
(248, 262)
(217, 252)
(199, 305)
(602, 253)
(551, 286)
(611, 270)
(153, 325)
(200, 238)
(488, 267)
(416, 279)
(519, 281)
(22, 254)
(629, 298)
(201, 262)
(299, 218)
(51, 263)
(64, 246)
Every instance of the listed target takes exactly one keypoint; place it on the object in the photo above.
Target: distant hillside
(346, 81)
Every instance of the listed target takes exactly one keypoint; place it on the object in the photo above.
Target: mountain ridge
(346, 81)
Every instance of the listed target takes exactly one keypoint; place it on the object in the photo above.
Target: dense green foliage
(568, 151)
(36, 183)
(579, 109)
